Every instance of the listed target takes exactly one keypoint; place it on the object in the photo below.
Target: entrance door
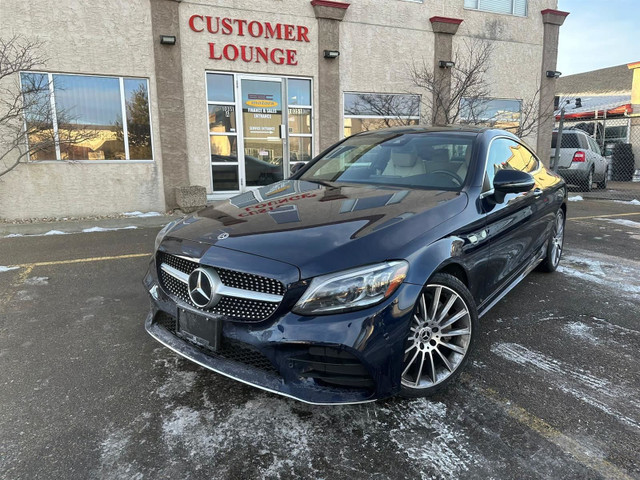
(263, 139)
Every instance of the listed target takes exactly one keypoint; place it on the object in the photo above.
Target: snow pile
(142, 215)
(630, 202)
(102, 229)
(6, 269)
(576, 198)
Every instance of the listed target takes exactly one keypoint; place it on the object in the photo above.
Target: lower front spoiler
(304, 392)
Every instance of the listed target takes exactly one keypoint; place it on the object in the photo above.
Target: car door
(599, 162)
(517, 226)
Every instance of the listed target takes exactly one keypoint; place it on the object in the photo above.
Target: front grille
(234, 308)
(229, 350)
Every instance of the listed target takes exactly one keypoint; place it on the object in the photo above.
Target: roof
(613, 104)
(605, 80)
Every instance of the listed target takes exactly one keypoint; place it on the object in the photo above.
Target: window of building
(506, 154)
(372, 111)
(509, 7)
(300, 115)
(85, 117)
(491, 112)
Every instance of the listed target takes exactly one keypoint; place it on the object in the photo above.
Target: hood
(322, 227)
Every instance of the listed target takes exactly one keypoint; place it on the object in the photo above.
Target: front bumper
(346, 358)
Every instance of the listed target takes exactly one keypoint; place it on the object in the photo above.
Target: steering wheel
(452, 175)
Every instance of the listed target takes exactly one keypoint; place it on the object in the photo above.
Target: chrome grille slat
(245, 297)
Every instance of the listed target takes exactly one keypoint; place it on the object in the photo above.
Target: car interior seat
(404, 162)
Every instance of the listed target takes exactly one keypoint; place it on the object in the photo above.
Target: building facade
(166, 94)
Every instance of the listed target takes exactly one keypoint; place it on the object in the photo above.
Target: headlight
(164, 231)
(352, 289)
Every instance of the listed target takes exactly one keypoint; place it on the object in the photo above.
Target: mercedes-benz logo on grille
(223, 235)
(203, 287)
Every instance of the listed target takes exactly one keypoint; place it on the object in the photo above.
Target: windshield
(419, 160)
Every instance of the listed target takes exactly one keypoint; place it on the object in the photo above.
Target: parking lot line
(604, 216)
(80, 260)
(581, 453)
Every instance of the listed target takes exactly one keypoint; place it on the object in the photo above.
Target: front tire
(442, 334)
(555, 245)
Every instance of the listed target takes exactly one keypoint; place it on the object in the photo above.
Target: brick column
(172, 130)
(552, 20)
(329, 15)
(444, 29)
(634, 132)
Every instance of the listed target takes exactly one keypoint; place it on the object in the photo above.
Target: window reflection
(220, 87)
(299, 120)
(224, 148)
(89, 114)
(300, 149)
(299, 91)
(138, 123)
(357, 125)
(222, 118)
(37, 104)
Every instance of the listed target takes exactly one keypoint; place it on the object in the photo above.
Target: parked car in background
(581, 163)
(364, 274)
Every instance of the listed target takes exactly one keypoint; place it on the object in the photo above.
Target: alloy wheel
(557, 241)
(439, 338)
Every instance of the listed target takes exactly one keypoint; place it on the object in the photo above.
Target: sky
(598, 34)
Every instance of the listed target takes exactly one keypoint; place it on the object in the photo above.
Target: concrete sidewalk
(84, 225)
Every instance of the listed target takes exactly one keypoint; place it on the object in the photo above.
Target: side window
(584, 142)
(594, 146)
(508, 154)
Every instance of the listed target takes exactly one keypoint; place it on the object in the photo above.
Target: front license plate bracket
(203, 331)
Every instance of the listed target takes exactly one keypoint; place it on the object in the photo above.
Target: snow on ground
(58, 232)
(576, 198)
(621, 221)
(142, 214)
(605, 270)
(6, 269)
(630, 202)
(614, 399)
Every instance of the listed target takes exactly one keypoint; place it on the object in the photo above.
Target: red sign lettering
(255, 29)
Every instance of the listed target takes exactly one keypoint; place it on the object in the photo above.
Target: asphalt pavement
(553, 389)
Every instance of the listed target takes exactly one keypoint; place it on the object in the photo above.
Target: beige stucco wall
(106, 38)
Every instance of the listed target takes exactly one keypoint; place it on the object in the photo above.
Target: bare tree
(464, 96)
(393, 109)
(467, 80)
(26, 115)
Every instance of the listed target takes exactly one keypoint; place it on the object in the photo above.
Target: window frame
(403, 117)
(54, 116)
(489, 190)
(512, 14)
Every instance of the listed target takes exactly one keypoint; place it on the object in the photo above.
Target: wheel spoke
(453, 319)
(447, 307)
(410, 363)
(434, 303)
(453, 347)
(410, 348)
(444, 359)
(455, 333)
(417, 319)
(420, 369)
(433, 368)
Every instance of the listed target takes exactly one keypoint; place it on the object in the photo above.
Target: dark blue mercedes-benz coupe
(364, 274)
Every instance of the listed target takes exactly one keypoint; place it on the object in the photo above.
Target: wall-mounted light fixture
(168, 39)
(553, 74)
(446, 64)
(331, 54)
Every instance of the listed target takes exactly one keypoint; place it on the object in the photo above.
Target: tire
(429, 337)
(554, 245)
(603, 184)
(589, 182)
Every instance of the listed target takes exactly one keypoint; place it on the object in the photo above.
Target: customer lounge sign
(250, 28)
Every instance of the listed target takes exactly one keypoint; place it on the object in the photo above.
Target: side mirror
(511, 181)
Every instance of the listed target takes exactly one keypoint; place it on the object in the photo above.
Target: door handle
(537, 192)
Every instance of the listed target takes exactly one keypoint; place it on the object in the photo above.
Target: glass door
(263, 131)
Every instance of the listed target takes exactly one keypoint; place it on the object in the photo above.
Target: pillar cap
(554, 17)
(445, 24)
(634, 65)
(329, 9)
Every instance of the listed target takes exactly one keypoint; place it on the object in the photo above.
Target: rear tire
(443, 329)
(603, 184)
(589, 182)
(554, 245)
